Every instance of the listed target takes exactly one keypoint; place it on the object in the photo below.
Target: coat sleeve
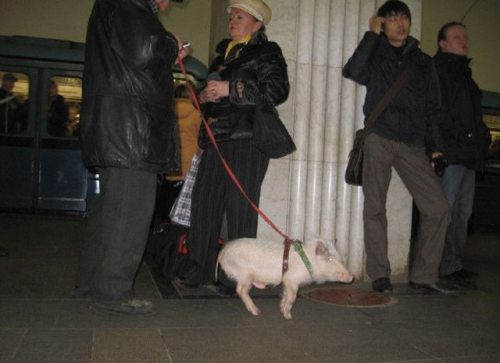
(433, 112)
(269, 81)
(358, 67)
(138, 38)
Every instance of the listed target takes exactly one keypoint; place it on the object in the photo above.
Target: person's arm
(138, 38)
(358, 67)
(269, 83)
(434, 114)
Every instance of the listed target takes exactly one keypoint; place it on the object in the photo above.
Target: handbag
(181, 210)
(269, 134)
(354, 170)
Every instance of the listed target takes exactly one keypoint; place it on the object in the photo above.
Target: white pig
(256, 262)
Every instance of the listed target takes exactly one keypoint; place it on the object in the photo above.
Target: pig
(255, 262)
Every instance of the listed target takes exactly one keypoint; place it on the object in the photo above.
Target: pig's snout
(346, 277)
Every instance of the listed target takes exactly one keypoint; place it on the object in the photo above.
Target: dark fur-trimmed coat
(257, 75)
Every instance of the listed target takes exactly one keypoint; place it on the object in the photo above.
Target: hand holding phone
(377, 24)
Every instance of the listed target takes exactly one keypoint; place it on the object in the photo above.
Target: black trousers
(214, 194)
(116, 234)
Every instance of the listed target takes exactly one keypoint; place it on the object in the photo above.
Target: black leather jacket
(257, 76)
(411, 116)
(128, 118)
(465, 136)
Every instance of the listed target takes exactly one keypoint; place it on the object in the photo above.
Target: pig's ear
(321, 248)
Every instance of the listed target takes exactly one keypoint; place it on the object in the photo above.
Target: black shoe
(432, 288)
(80, 293)
(382, 284)
(461, 275)
(130, 307)
(187, 284)
(222, 290)
(4, 252)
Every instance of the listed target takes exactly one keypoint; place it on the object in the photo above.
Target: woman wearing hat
(248, 72)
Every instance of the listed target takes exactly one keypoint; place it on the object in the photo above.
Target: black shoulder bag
(354, 169)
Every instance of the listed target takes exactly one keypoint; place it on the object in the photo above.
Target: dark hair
(443, 32)
(394, 7)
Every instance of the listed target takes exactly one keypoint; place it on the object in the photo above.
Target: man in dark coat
(465, 142)
(13, 111)
(128, 135)
(398, 139)
(58, 115)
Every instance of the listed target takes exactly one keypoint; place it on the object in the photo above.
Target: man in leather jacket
(398, 140)
(465, 142)
(128, 135)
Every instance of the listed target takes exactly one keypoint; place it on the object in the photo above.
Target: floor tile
(55, 345)
(129, 345)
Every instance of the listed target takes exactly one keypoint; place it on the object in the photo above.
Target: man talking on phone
(403, 137)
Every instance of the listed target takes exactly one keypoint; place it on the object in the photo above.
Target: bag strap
(384, 102)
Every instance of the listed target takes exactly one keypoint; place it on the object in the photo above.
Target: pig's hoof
(255, 312)
(287, 314)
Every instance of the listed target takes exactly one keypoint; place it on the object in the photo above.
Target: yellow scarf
(232, 43)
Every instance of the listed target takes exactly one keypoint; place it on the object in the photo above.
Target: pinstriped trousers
(414, 168)
(214, 194)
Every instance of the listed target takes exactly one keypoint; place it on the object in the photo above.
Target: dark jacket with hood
(465, 136)
(411, 115)
(128, 118)
(257, 76)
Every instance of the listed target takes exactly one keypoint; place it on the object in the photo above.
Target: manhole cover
(348, 297)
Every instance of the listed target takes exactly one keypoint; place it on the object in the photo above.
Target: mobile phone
(186, 45)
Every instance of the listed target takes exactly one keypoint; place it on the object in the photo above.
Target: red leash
(226, 166)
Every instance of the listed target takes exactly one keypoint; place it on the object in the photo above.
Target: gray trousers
(413, 166)
(116, 234)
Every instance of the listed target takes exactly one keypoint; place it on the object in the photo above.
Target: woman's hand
(214, 91)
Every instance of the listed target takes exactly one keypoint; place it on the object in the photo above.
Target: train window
(65, 96)
(14, 108)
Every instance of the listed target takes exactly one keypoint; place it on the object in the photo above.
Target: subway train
(40, 161)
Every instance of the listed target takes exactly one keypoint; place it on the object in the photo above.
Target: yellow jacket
(189, 121)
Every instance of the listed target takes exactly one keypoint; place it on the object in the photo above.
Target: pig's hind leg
(288, 298)
(242, 289)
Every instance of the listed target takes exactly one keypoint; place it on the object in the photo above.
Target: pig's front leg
(289, 295)
(242, 290)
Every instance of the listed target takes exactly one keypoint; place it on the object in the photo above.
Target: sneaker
(185, 283)
(461, 275)
(432, 288)
(130, 307)
(382, 284)
(80, 293)
(222, 290)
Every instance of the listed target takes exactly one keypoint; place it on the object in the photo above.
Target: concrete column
(305, 193)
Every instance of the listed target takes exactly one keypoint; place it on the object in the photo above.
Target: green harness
(297, 246)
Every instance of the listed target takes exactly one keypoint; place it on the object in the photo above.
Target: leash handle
(224, 162)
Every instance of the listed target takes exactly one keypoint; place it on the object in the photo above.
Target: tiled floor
(39, 322)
